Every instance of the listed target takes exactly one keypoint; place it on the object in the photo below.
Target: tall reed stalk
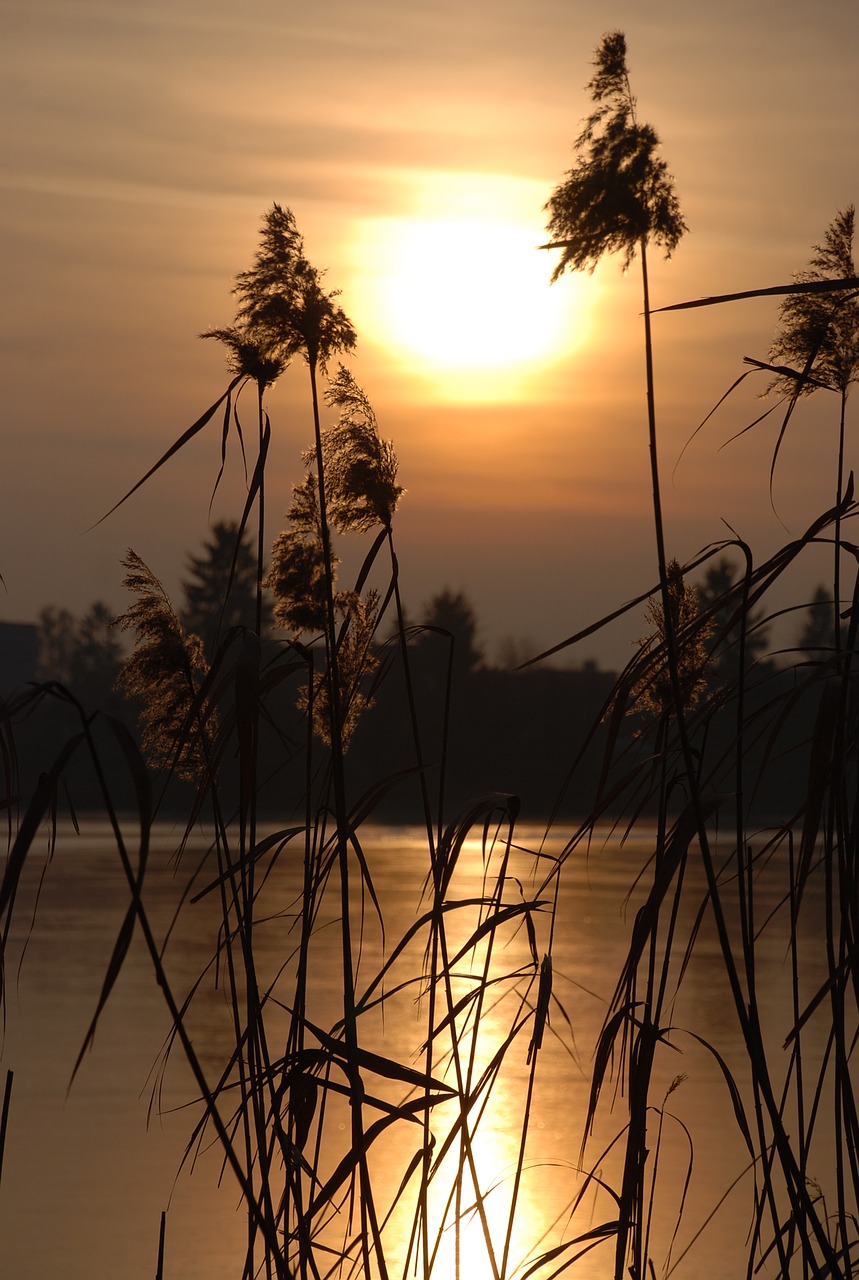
(311, 1108)
(312, 1203)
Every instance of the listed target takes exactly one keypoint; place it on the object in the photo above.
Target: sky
(416, 145)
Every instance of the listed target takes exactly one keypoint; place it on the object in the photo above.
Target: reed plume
(164, 673)
(653, 692)
(360, 467)
(620, 195)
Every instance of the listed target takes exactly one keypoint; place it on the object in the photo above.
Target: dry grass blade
(4, 1116)
(352, 1160)
(603, 1056)
(733, 1089)
(38, 807)
(257, 476)
(802, 382)
(276, 840)
(492, 923)
(647, 916)
(775, 291)
(375, 794)
(377, 1064)
(605, 1231)
(845, 968)
(819, 779)
(159, 1270)
(803, 378)
(140, 778)
(589, 631)
(193, 430)
(114, 967)
(717, 405)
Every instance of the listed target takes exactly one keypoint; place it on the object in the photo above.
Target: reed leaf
(192, 431)
(773, 291)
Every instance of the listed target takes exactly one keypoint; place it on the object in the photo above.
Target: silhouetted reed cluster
(354, 1160)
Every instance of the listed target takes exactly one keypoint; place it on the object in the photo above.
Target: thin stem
(839, 492)
(356, 1085)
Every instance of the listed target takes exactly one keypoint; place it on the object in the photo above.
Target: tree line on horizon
(218, 592)
(512, 725)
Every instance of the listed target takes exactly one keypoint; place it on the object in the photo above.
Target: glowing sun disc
(466, 293)
(465, 299)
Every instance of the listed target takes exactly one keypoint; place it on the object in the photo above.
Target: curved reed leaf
(34, 815)
(192, 431)
(604, 1231)
(774, 291)
(733, 1088)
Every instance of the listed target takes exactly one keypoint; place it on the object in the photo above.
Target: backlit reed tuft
(283, 306)
(619, 195)
(360, 467)
(818, 333)
(296, 577)
(249, 356)
(653, 692)
(356, 662)
(164, 673)
(297, 580)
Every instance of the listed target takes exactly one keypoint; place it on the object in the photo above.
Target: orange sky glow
(416, 147)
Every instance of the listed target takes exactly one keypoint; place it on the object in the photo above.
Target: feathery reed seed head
(653, 692)
(821, 327)
(282, 305)
(297, 581)
(164, 672)
(620, 194)
(355, 663)
(360, 467)
(248, 356)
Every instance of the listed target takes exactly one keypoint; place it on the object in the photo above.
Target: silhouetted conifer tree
(450, 612)
(221, 587)
(715, 592)
(816, 639)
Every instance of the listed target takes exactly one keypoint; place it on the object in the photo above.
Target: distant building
(18, 652)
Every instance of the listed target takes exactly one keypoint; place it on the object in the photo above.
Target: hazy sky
(416, 146)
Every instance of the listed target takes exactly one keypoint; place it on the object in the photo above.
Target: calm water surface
(88, 1169)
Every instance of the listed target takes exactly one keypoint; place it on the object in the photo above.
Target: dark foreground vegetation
(354, 713)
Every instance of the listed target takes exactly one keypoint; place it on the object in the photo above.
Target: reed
(356, 1160)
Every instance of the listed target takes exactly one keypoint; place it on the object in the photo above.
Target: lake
(89, 1169)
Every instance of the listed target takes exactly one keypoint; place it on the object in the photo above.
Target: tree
(83, 654)
(221, 587)
(717, 592)
(56, 640)
(817, 636)
(98, 655)
(450, 614)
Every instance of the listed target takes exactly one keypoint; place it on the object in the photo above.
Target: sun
(458, 295)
